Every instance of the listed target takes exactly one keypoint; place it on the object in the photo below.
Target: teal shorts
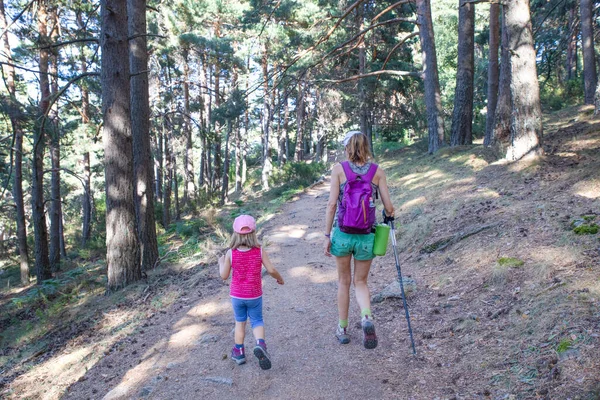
(345, 244)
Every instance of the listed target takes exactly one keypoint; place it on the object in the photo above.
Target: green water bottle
(382, 234)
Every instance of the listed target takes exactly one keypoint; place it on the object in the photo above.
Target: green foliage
(563, 346)
(510, 262)
(586, 229)
(187, 228)
(296, 174)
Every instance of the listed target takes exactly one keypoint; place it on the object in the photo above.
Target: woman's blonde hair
(243, 239)
(358, 149)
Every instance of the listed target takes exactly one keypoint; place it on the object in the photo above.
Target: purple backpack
(356, 213)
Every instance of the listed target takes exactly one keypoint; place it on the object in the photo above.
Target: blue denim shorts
(244, 309)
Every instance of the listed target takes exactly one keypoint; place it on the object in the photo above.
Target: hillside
(507, 299)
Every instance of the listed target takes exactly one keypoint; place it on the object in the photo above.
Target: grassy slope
(515, 309)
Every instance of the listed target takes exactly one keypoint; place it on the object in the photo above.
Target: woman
(343, 245)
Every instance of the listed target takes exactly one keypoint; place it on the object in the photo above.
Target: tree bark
(501, 130)
(462, 117)
(433, 100)
(176, 189)
(526, 114)
(122, 245)
(55, 212)
(225, 188)
(189, 190)
(14, 114)
(168, 177)
(140, 130)
(493, 73)
(238, 157)
(266, 123)
(86, 198)
(298, 156)
(42, 260)
(571, 56)
(86, 201)
(597, 106)
(362, 60)
(589, 57)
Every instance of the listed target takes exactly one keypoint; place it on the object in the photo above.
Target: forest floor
(509, 312)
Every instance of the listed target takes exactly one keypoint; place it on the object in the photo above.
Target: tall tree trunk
(284, 137)
(493, 72)
(589, 57)
(298, 156)
(225, 188)
(176, 189)
(140, 130)
(501, 129)
(86, 198)
(54, 147)
(238, 157)
(189, 190)
(362, 59)
(597, 106)
(42, 260)
(266, 123)
(86, 201)
(433, 99)
(526, 113)
(571, 44)
(14, 114)
(168, 176)
(159, 165)
(462, 117)
(122, 245)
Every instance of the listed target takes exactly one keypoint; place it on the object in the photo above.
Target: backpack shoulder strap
(371, 172)
(350, 175)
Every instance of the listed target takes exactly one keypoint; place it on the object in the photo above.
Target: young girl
(245, 259)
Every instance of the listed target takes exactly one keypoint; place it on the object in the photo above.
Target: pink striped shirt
(246, 278)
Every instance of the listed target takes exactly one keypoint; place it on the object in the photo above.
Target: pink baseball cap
(244, 224)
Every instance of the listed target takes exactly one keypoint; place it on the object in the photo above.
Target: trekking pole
(390, 221)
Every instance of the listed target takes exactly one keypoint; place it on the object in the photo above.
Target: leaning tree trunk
(42, 261)
(526, 114)
(462, 117)
(433, 99)
(589, 57)
(493, 72)
(122, 246)
(14, 114)
(140, 130)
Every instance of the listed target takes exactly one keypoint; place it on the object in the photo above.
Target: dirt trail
(185, 355)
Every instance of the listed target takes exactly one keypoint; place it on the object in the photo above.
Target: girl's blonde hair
(243, 239)
(358, 149)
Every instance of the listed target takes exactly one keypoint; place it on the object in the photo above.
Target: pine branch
(396, 47)
(375, 73)
(390, 8)
(15, 19)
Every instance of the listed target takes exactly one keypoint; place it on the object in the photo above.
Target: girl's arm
(270, 268)
(225, 265)
(334, 191)
(385, 194)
